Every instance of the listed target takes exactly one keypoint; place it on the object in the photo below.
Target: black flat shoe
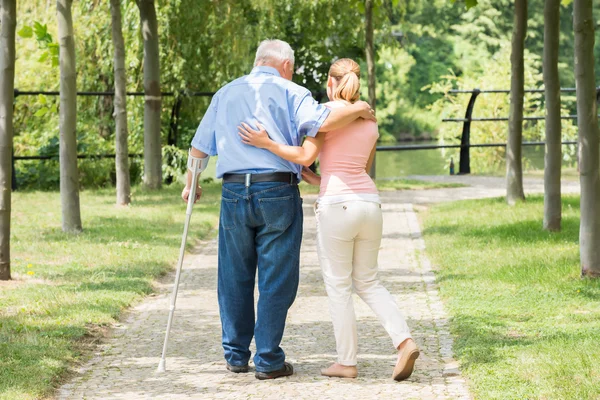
(237, 368)
(286, 370)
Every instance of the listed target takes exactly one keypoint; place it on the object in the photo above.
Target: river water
(437, 162)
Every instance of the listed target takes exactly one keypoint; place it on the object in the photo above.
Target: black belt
(285, 177)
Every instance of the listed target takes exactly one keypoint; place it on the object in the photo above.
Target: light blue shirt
(286, 110)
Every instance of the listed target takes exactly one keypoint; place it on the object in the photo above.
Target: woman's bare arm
(305, 155)
(340, 117)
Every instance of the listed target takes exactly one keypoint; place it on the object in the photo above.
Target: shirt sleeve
(310, 115)
(205, 139)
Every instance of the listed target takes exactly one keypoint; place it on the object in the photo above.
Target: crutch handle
(194, 166)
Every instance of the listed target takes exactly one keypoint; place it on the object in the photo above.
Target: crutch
(194, 165)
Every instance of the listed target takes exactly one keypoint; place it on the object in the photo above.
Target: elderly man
(261, 210)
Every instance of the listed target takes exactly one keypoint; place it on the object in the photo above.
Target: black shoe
(237, 368)
(286, 370)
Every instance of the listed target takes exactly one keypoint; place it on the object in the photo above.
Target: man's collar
(265, 70)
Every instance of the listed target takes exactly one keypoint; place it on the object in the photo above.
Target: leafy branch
(468, 3)
(44, 40)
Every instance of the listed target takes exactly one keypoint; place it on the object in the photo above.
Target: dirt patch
(20, 280)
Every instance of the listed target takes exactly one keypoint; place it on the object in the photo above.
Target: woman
(349, 223)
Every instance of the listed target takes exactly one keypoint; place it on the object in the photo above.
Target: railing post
(12, 152)
(465, 139)
(13, 173)
(173, 126)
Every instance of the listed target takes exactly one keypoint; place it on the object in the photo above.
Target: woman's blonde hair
(347, 74)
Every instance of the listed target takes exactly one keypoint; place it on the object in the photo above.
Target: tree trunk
(8, 21)
(120, 104)
(69, 174)
(587, 123)
(370, 50)
(553, 156)
(152, 142)
(514, 166)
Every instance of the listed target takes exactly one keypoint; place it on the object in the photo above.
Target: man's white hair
(273, 50)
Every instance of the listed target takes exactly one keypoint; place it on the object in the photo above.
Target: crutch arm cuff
(197, 164)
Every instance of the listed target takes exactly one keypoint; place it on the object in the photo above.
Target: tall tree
(120, 104)
(553, 156)
(514, 165)
(69, 174)
(370, 52)
(152, 142)
(587, 123)
(8, 23)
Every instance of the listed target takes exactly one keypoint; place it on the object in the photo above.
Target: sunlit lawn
(526, 325)
(67, 287)
(413, 184)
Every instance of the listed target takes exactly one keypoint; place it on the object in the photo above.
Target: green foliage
(45, 42)
(201, 48)
(468, 3)
(317, 42)
(26, 32)
(419, 45)
(174, 163)
(398, 117)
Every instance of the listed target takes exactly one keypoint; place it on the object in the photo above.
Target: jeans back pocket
(278, 212)
(228, 213)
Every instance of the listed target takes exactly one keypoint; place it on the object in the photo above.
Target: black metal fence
(464, 146)
(173, 124)
(465, 139)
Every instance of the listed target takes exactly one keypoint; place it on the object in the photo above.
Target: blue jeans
(260, 228)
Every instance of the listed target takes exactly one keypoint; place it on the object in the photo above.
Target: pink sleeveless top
(344, 157)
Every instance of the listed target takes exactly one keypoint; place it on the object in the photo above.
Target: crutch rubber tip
(161, 367)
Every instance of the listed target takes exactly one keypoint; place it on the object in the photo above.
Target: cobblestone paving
(124, 367)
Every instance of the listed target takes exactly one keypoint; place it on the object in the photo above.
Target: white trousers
(348, 240)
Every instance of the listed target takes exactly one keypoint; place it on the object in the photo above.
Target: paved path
(124, 368)
(478, 187)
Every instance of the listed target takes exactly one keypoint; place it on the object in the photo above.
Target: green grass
(526, 325)
(393, 184)
(81, 283)
(413, 184)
